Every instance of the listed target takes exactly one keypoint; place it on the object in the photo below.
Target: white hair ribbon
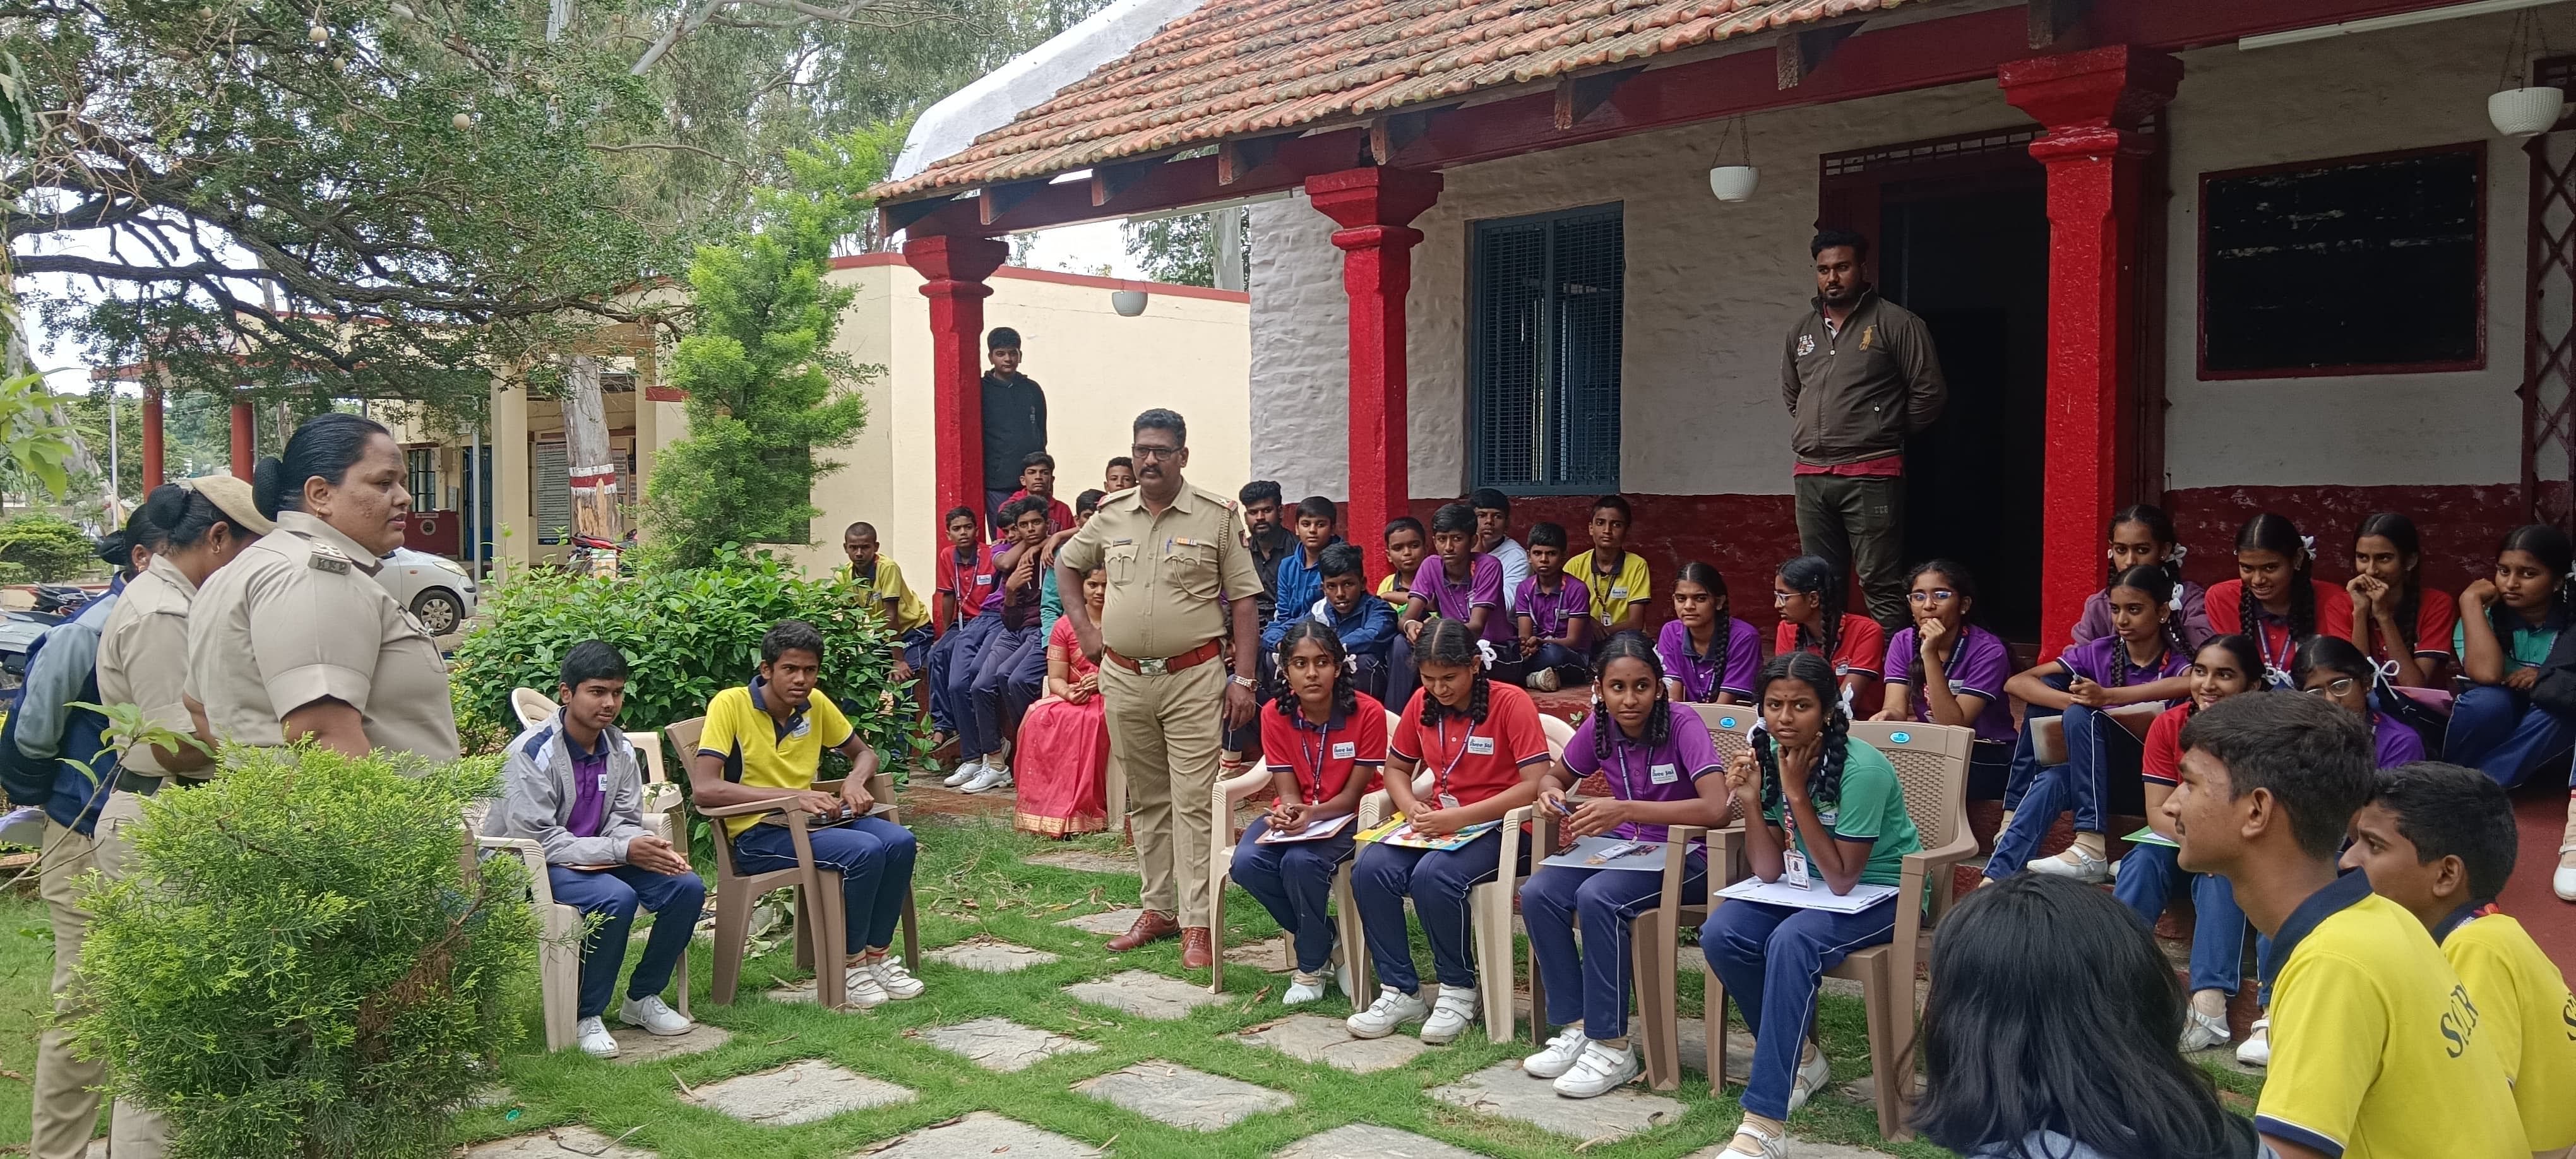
(1485, 648)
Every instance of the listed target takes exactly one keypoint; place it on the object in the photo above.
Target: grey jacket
(1856, 394)
(537, 794)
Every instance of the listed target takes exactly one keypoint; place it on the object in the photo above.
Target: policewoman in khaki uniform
(296, 639)
(1170, 550)
(194, 527)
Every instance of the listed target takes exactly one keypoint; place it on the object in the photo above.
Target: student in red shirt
(1809, 593)
(2276, 598)
(1480, 741)
(1037, 479)
(964, 576)
(2395, 619)
(1323, 740)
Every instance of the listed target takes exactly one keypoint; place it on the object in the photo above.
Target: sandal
(1768, 1146)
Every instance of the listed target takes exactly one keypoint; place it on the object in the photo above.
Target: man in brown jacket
(1859, 375)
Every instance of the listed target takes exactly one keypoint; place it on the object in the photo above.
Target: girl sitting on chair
(1323, 742)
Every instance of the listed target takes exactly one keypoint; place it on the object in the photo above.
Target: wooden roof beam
(1802, 52)
(1578, 97)
(999, 199)
(2053, 21)
(1388, 135)
(1114, 178)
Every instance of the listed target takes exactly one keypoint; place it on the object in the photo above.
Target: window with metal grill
(420, 477)
(1543, 352)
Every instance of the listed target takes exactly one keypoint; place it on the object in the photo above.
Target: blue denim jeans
(1591, 985)
(1772, 959)
(1294, 881)
(2499, 732)
(2148, 879)
(993, 694)
(615, 894)
(873, 856)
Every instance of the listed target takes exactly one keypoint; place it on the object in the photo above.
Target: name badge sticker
(1618, 593)
(1482, 746)
(603, 782)
(1664, 774)
(1345, 750)
(983, 581)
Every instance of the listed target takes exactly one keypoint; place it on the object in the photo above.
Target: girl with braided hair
(1806, 777)
(1809, 593)
(1660, 763)
(2143, 661)
(2142, 535)
(2395, 621)
(1946, 669)
(1479, 743)
(1324, 741)
(2337, 671)
(2508, 626)
(2276, 598)
(1708, 656)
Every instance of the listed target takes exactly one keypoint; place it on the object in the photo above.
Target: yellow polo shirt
(762, 752)
(2377, 1050)
(1386, 591)
(1612, 596)
(887, 584)
(2526, 1013)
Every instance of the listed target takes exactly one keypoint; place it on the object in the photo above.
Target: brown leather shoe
(1197, 949)
(1150, 927)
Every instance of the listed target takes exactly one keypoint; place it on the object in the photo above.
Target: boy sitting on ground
(1037, 481)
(1406, 544)
(572, 785)
(1364, 622)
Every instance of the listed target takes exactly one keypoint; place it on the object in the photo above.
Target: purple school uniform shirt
(1666, 772)
(2397, 743)
(2105, 660)
(1484, 587)
(1979, 665)
(993, 563)
(2191, 604)
(1549, 611)
(1702, 677)
(589, 792)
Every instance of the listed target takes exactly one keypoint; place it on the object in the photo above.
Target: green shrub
(302, 966)
(14, 573)
(50, 547)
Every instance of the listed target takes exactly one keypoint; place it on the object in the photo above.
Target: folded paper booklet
(1312, 831)
(1399, 833)
(1611, 853)
(2147, 835)
(1861, 897)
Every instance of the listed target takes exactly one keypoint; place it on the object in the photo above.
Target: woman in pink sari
(1064, 739)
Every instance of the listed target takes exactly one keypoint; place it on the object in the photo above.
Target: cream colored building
(1189, 351)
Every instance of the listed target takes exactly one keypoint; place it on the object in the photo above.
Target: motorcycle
(60, 600)
(592, 555)
(18, 633)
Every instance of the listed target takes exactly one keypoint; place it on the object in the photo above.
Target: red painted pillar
(956, 268)
(2092, 103)
(1375, 208)
(245, 449)
(152, 446)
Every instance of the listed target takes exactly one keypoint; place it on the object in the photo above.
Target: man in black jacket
(1015, 420)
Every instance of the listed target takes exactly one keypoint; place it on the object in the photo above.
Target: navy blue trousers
(1772, 959)
(1294, 881)
(873, 856)
(1592, 984)
(615, 894)
(1437, 881)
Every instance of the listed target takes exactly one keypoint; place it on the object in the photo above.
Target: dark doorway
(1970, 256)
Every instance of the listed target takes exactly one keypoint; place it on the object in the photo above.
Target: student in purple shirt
(2143, 661)
(1709, 657)
(1554, 614)
(2329, 666)
(1455, 583)
(1660, 763)
(2142, 535)
(1945, 670)
(572, 785)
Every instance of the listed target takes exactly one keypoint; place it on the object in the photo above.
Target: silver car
(435, 588)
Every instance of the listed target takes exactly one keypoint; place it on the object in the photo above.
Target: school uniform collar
(1333, 721)
(2460, 917)
(1717, 641)
(313, 528)
(2341, 894)
(794, 715)
(170, 574)
(1442, 572)
(573, 749)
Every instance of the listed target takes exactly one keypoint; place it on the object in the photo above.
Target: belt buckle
(1156, 666)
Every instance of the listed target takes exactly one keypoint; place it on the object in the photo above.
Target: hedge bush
(302, 965)
(49, 547)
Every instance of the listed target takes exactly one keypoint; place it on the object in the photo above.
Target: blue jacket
(1370, 631)
(64, 671)
(1294, 588)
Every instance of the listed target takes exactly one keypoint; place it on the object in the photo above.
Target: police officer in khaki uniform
(297, 639)
(194, 527)
(1171, 549)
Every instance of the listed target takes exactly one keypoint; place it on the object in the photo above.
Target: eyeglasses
(1931, 596)
(1141, 452)
(2337, 689)
(1779, 598)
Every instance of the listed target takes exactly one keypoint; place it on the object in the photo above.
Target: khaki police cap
(233, 498)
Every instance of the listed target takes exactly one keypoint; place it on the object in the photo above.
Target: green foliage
(15, 573)
(1182, 249)
(50, 547)
(687, 635)
(31, 447)
(302, 965)
(765, 391)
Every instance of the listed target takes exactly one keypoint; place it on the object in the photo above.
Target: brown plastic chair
(821, 932)
(1932, 765)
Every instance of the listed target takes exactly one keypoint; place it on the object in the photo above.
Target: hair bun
(267, 478)
(166, 505)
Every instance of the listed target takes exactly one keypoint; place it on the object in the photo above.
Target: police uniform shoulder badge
(1806, 345)
(327, 558)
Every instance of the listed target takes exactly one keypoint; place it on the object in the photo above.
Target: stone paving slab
(980, 1133)
(800, 1092)
(1369, 1141)
(1693, 1048)
(558, 1143)
(1084, 861)
(990, 956)
(1111, 922)
(1145, 994)
(999, 1044)
(1313, 1038)
(1270, 954)
(1168, 1092)
(634, 1045)
(1503, 1090)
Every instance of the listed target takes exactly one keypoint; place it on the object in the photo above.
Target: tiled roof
(1243, 67)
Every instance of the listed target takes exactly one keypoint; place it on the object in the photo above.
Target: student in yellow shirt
(1622, 589)
(1406, 544)
(2377, 1052)
(904, 611)
(765, 742)
(2439, 840)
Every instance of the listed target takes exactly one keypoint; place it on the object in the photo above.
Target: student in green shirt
(2508, 625)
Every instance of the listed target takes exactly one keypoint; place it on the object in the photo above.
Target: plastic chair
(1932, 765)
(533, 707)
(1230, 792)
(821, 929)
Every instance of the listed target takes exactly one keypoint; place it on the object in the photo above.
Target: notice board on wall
(2347, 266)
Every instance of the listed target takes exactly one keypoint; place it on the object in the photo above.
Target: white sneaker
(860, 989)
(897, 982)
(1393, 1008)
(1813, 1074)
(595, 1041)
(993, 777)
(1304, 988)
(654, 1016)
(2256, 1050)
(2085, 868)
(1451, 1014)
(1559, 1056)
(2563, 882)
(1543, 680)
(1768, 1146)
(967, 770)
(2201, 1032)
(1602, 1069)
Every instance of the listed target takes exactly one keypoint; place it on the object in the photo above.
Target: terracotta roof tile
(1236, 67)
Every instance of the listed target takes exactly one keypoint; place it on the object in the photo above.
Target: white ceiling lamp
(1736, 181)
(2528, 110)
(1128, 303)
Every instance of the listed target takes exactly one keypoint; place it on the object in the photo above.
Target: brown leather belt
(1164, 665)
